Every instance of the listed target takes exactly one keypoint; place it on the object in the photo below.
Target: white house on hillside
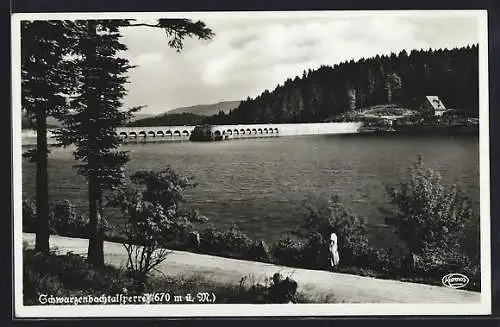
(433, 103)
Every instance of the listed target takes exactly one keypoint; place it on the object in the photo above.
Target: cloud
(252, 53)
(274, 51)
(147, 59)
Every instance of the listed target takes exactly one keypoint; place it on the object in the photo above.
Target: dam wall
(263, 130)
(321, 128)
(182, 133)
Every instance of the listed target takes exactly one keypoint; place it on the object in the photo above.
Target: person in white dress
(334, 253)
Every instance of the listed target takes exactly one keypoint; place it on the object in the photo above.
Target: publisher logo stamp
(455, 280)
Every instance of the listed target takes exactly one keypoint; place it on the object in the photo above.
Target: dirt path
(316, 284)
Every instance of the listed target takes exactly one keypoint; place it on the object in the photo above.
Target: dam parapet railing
(218, 132)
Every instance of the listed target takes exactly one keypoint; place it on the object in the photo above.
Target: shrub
(152, 205)
(256, 293)
(36, 279)
(72, 271)
(233, 239)
(473, 271)
(437, 263)
(209, 240)
(29, 215)
(430, 218)
(35, 283)
(276, 289)
(69, 274)
(288, 251)
(66, 220)
(259, 251)
(282, 290)
(333, 217)
(315, 252)
(146, 226)
(229, 242)
(385, 262)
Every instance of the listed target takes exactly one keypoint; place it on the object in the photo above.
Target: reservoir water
(262, 184)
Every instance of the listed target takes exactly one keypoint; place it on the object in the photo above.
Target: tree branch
(142, 24)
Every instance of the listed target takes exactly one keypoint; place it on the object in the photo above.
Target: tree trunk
(42, 188)
(95, 254)
(96, 238)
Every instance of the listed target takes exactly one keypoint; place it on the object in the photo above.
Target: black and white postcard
(231, 164)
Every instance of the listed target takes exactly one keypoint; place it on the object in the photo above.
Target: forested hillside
(398, 79)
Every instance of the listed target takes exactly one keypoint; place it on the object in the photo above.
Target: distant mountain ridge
(205, 109)
(192, 115)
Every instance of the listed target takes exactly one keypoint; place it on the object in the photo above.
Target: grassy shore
(52, 277)
(233, 243)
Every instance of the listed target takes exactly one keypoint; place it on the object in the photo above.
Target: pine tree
(46, 77)
(96, 113)
(351, 98)
(370, 80)
(393, 84)
(97, 110)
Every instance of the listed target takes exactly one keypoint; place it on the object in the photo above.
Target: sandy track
(316, 284)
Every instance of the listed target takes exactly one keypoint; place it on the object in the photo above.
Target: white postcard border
(239, 310)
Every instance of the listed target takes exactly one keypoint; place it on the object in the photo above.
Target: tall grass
(71, 276)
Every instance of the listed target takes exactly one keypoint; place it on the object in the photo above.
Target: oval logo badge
(455, 280)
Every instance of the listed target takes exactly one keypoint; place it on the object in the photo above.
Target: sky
(253, 52)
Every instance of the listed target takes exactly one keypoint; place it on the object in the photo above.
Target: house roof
(435, 102)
